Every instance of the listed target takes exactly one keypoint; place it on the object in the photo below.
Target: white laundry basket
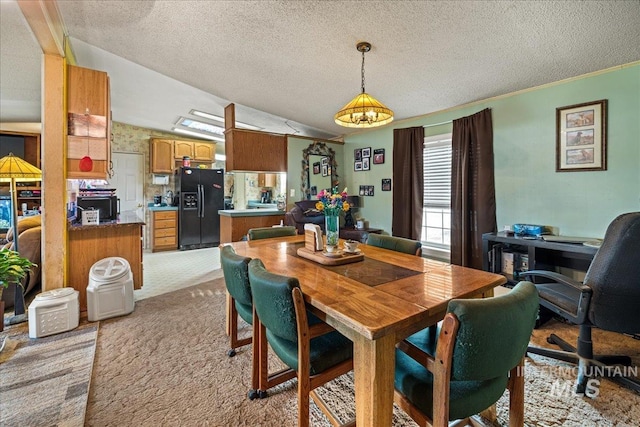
(110, 289)
(54, 311)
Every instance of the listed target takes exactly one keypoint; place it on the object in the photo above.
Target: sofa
(304, 212)
(29, 245)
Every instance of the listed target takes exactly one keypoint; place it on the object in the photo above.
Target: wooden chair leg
(490, 414)
(255, 358)
(516, 395)
(230, 306)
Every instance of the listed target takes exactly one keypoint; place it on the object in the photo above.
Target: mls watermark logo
(566, 388)
(564, 384)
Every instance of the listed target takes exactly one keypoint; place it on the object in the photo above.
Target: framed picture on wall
(357, 154)
(316, 168)
(325, 170)
(365, 163)
(378, 156)
(366, 152)
(581, 137)
(386, 184)
(357, 166)
(325, 160)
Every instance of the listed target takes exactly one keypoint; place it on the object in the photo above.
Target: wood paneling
(54, 129)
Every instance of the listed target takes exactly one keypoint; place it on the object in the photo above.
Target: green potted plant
(13, 268)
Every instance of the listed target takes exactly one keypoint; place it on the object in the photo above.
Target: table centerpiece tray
(321, 258)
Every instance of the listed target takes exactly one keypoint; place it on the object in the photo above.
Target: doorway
(127, 179)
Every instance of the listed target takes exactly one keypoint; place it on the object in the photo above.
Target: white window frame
(433, 249)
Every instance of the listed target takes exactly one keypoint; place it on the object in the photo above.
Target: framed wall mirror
(319, 170)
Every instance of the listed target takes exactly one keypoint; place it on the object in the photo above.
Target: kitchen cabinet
(89, 130)
(203, 151)
(242, 145)
(197, 151)
(164, 230)
(162, 160)
(182, 149)
(90, 244)
(234, 225)
(266, 180)
(87, 91)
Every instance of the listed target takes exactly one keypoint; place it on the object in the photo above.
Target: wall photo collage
(362, 160)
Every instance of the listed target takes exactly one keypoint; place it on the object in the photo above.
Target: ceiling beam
(45, 21)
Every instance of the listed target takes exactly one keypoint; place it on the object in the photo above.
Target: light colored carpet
(165, 364)
(45, 381)
(172, 270)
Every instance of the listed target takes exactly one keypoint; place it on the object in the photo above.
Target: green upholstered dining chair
(236, 278)
(309, 347)
(463, 365)
(398, 244)
(270, 232)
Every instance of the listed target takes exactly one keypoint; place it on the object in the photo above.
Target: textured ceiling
(297, 61)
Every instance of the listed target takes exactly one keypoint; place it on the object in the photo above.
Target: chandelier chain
(362, 71)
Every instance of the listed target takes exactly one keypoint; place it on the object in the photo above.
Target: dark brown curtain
(473, 200)
(408, 183)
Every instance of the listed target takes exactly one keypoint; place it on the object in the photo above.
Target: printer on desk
(530, 230)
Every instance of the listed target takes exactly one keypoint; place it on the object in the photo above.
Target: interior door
(128, 170)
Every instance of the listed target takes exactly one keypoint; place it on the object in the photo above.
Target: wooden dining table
(375, 303)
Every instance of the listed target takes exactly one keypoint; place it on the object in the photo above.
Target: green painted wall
(295, 146)
(528, 189)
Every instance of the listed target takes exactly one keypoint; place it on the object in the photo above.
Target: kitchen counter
(125, 218)
(162, 208)
(250, 212)
(234, 224)
(260, 205)
(89, 244)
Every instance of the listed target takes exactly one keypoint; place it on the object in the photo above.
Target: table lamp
(14, 169)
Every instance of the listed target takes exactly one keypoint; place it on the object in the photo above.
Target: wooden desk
(534, 254)
(373, 317)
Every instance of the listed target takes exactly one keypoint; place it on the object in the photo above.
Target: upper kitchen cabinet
(203, 151)
(266, 180)
(248, 150)
(87, 91)
(199, 151)
(182, 149)
(162, 160)
(89, 124)
(167, 154)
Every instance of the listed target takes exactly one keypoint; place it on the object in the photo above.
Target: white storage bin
(110, 289)
(54, 311)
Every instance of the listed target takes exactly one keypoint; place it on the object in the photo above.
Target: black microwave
(106, 205)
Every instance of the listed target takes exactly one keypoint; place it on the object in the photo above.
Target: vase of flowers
(332, 203)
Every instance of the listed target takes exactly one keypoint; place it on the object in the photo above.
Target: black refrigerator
(200, 196)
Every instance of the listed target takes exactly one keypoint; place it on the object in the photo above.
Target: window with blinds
(436, 220)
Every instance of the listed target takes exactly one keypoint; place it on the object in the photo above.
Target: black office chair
(609, 299)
